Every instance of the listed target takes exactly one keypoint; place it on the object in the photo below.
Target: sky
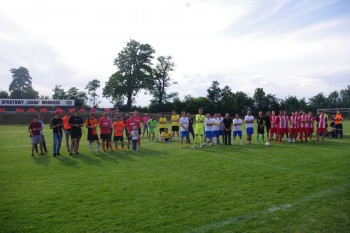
(287, 47)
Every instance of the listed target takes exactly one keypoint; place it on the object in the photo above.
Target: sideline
(213, 226)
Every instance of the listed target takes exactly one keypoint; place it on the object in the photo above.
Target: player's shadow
(67, 161)
(42, 159)
(88, 159)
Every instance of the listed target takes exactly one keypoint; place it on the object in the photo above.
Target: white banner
(36, 102)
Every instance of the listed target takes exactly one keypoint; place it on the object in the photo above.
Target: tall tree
(134, 72)
(333, 99)
(227, 100)
(318, 101)
(345, 97)
(162, 80)
(91, 87)
(260, 103)
(59, 93)
(21, 85)
(214, 95)
(79, 96)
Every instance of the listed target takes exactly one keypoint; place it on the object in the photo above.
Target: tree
(134, 72)
(4, 95)
(21, 85)
(333, 99)
(345, 97)
(227, 100)
(91, 87)
(243, 102)
(79, 96)
(318, 101)
(214, 95)
(162, 80)
(59, 93)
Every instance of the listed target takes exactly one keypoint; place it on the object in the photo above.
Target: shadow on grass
(42, 159)
(88, 159)
(67, 161)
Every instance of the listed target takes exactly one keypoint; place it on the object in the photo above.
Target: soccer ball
(267, 144)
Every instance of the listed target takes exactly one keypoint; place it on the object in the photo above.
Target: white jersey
(208, 124)
(248, 118)
(184, 122)
(221, 119)
(237, 127)
(216, 124)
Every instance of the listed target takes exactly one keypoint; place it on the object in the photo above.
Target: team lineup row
(206, 129)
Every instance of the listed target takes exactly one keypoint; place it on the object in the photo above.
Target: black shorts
(261, 130)
(106, 137)
(175, 128)
(167, 139)
(118, 138)
(75, 134)
(161, 130)
(93, 137)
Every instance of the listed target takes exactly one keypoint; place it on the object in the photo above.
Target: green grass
(162, 188)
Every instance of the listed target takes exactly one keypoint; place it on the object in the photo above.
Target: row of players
(208, 128)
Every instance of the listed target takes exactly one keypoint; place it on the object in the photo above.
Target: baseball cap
(36, 115)
(58, 112)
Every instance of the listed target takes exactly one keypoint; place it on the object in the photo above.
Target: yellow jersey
(175, 120)
(162, 122)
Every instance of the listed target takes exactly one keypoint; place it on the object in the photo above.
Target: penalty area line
(272, 209)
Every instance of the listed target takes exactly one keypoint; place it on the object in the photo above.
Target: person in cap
(56, 125)
(34, 129)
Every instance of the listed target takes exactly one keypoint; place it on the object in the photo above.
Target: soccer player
(162, 125)
(208, 128)
(304, 126)
(67, 128)
(175, 124)
(110, 118)
(280, 123)
(118, 126)
(216, 128)
(221, 129)
(311, 124)
(237, 129)
(91, 124)
(184, 123)
(165, 136)
(227, 126)
(76, 122)
(127, 129)
(34, 132)
(190, 127)
(56, 125)
(199, 130)
(145, 120)
(249, 121)
(285, 125)
(152, 124)
(322, 126)
(105, 132)
(260, 120)
(273, 128)
(293, 127)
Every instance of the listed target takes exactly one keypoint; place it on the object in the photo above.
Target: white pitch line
(279, 167)
(213, 226)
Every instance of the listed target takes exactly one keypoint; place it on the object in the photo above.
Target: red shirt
(105, 124)
(35, 125)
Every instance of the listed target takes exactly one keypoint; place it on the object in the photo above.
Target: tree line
(136, 73)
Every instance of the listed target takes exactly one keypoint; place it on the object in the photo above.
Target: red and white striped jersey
(312, 121)
(273, 120)
(322, 121)
(294, 122)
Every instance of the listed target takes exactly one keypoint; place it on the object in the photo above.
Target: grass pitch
(165, 188)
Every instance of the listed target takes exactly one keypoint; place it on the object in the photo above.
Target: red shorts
(273, 130)
(293, 131)
(321, 130)
(280, 131)
(304, 130)
(286, 130)
(311, 130)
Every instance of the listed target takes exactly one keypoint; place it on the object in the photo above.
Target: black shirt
(190, 124)
(267, 121)
(54, 122)
(76, 120)
(227, 122)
